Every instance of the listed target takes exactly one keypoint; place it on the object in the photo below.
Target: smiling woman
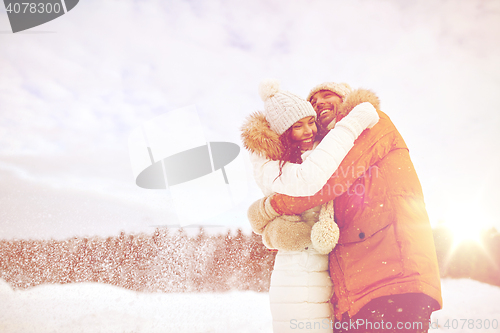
(303, 132)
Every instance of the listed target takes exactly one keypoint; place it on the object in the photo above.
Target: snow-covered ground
(97, 308)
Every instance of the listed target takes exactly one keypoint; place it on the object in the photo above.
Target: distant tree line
(162, 262)
(172, 261)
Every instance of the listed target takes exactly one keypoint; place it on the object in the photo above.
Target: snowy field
(98, 308)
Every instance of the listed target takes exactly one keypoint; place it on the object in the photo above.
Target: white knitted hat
(341, 89)
(282, 108)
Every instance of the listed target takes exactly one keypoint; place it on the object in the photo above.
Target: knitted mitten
(325, 232)
(260, 213)
(288, 233)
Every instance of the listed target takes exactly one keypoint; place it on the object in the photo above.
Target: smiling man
(325, 99)
(384, 267)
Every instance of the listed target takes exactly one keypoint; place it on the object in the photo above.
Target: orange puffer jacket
(386, 245)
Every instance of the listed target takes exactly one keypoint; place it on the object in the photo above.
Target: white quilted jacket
(300, 291)
(301, 287)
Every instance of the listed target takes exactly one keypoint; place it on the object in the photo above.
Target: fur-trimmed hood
(258, 137)
(355, 98)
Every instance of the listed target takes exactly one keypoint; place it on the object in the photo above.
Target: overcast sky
(73, 89)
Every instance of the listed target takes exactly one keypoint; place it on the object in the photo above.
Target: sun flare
(463, 233)
(467, 226)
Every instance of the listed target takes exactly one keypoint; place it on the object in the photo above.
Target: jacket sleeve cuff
(279, 205)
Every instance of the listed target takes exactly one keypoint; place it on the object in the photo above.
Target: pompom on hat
(282, 109)
(341, 89)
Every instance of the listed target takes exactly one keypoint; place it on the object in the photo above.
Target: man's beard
(326, 114)
(325, 126)
(324, 129)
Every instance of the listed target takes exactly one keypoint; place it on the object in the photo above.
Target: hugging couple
(345, 210)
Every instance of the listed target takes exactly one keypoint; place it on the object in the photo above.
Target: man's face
(325, 103)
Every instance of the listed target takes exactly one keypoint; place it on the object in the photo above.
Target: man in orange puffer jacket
(384, 267)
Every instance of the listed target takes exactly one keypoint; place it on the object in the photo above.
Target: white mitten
(363, 116)
(287, 233)
(260, 213)
(325, 232)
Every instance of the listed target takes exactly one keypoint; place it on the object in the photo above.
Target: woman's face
(303, 132)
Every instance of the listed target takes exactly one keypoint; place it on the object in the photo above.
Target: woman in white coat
(281, 142)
